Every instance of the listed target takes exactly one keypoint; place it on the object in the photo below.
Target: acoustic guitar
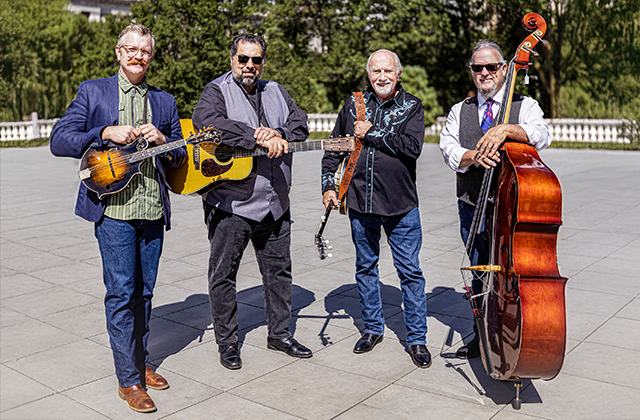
(110, 170)
(210, 163)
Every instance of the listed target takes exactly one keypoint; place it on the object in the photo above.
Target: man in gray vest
(251, 112)
(470, 142)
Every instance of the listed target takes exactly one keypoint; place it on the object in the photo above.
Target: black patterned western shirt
(384, 181)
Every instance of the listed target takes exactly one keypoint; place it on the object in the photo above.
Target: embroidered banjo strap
(353, 158)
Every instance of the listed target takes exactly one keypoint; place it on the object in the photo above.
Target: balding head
(384, 69)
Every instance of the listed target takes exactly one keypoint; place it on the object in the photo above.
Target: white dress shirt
(530, 119)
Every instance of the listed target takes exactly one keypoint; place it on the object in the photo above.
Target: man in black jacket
(383, 193)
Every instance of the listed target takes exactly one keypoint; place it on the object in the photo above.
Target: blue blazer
(96, 107)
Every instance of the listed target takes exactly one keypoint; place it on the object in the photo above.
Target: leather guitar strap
(353, 158)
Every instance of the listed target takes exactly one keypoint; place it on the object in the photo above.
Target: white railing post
(35, 131)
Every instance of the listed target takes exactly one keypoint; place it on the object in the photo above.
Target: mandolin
(110, 170)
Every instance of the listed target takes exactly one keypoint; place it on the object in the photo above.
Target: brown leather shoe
(137, 398)
(154, 380)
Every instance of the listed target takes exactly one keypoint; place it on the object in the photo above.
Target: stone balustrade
(562, 129)
(27, 130)
(321, 122)
(569, 129)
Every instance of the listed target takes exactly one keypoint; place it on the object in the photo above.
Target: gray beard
(245, 81)
(489, 93)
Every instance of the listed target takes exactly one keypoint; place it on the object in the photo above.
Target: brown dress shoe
(137, 398)
(154, 380)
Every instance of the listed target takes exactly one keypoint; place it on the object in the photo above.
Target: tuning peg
(329, 255)
(329, 248)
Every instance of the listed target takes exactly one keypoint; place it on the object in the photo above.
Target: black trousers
(229, 236)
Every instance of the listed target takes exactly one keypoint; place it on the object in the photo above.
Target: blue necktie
(488, 116)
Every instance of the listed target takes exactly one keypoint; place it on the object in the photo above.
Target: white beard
(384, 90)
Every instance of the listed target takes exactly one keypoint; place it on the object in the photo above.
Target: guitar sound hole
(224, 153)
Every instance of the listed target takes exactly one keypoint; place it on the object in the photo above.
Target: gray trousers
(229, 236)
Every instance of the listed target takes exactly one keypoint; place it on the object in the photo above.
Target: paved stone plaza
(56, 362)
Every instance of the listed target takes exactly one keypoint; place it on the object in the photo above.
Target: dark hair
(251, 38)
(486, 43)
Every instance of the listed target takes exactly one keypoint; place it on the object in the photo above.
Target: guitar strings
(121, 161)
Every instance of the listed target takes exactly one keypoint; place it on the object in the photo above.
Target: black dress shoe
(469, 351)
(367, 342)
(230, 356)
(290, 346)
(420, 355)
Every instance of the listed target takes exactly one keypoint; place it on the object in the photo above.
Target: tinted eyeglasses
(243, 59)
(491, 68)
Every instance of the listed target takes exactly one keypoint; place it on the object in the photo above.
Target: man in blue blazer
(130, 223)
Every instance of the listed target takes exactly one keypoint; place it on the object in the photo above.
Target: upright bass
(520, 313)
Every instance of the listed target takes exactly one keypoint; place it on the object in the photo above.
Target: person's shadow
(176, 325)
(343, 302)
(448, 306)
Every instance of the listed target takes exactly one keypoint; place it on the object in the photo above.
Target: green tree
(193, 38)
(328, 39)
(416, 82)
(589, 57)
(36, 58)
(438, 36)
(322, 46)
(602, 54)
(95, 55)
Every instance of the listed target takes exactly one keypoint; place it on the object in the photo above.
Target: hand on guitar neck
(272, 140)
(330, 197)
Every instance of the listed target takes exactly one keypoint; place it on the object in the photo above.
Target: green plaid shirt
(141, 199)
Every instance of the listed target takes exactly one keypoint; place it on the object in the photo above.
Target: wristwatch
(281, 131)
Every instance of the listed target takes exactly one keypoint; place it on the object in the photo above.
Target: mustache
(136, 61)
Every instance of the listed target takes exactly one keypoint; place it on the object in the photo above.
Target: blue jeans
(404, 234)
(130, 254)
(479, 253)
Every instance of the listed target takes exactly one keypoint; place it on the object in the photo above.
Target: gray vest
(268, 191)
(468, 183)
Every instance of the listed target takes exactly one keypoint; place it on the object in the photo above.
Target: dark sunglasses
(243, 59)
(491, 68)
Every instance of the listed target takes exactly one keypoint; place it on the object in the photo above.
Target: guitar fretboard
(207, 135)
(338, 144)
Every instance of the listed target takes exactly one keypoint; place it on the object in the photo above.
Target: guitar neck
(152, 151)
(294, 146)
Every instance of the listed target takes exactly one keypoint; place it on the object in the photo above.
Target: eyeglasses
(243, 59)
(132, 51)
(491, 68)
